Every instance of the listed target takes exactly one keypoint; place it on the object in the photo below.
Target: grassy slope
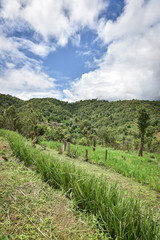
(123, 216)
(150, 197)
(145, 170)
(30, 209)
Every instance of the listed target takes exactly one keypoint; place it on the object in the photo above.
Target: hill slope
(91, 118)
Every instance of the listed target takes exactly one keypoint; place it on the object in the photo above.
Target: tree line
(90, 122)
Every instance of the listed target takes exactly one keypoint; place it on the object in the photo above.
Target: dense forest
(90, 122)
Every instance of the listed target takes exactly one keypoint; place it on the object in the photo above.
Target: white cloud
(7, 44)
(14, 45)
(26, 82)
(76, 40)
(131, 66)
(129, 69)
(44, 94)
(69, 97)
(137, 17)
(51, 18)
(52, 24)
(42, 49)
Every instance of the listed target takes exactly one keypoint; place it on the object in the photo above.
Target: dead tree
(34, 141)
(74, 152)
(59, 149)
(68, 148)
(86, 157)
(64, 145)
(106, 155)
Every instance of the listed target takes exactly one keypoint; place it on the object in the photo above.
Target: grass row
(123, 217)
(145, 170)
(31, 209)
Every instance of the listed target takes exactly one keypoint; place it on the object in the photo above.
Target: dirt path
(31, 209)
(149, 197)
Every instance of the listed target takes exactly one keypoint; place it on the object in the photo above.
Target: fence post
(106, 155)
(64, 145)
(74, 152)
(86, 158)
(59, 149)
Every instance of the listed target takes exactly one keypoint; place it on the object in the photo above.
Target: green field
(121, 215)
(31, 209)
(145, 170)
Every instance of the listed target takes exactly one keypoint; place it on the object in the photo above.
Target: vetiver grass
(123, 217)
(30, 209)
(143, 169)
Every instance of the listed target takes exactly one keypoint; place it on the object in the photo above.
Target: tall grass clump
(141, 169)
(123, 217)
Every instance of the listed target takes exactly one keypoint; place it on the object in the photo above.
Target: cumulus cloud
(44, 25)
(130, 68)
(51, 18)
(26, 83)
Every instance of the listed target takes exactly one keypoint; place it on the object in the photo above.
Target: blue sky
(80, 49)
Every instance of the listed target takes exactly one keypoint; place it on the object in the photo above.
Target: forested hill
(97, 112)
(8, 100)
(90, 117)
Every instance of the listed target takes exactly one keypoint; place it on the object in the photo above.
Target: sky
(74, 50)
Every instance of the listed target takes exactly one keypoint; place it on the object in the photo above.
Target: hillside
(124, 208)
(100, 121)
(31, 209)
(8, 100)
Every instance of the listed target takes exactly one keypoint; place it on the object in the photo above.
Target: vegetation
(123, 217)
(89, 122)
(146, 170)
(31, 209)
(121, 127)
(143, 122)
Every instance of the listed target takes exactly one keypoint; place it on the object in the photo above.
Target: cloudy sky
(80, 49)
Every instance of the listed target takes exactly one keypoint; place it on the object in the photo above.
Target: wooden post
(86, 158)
(106, 155)
(64, 145)
(74, 152)
(34, 141)
(141, 151)
(59, 149)
(68, 148)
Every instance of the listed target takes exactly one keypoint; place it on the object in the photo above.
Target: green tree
(143, 123)
(150, 136)
(10, 118)
(1, 121)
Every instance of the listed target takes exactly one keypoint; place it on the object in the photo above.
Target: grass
(140, 192)
(145, 170)
(31, 209)
(123, 217)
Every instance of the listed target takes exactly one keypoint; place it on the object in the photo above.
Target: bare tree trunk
(64, 146)
(59, 149)
(68, 148)
(106, 155)
(141, 147)
(74, 152)
(34, 141)
(141, 151)
(86, 157)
